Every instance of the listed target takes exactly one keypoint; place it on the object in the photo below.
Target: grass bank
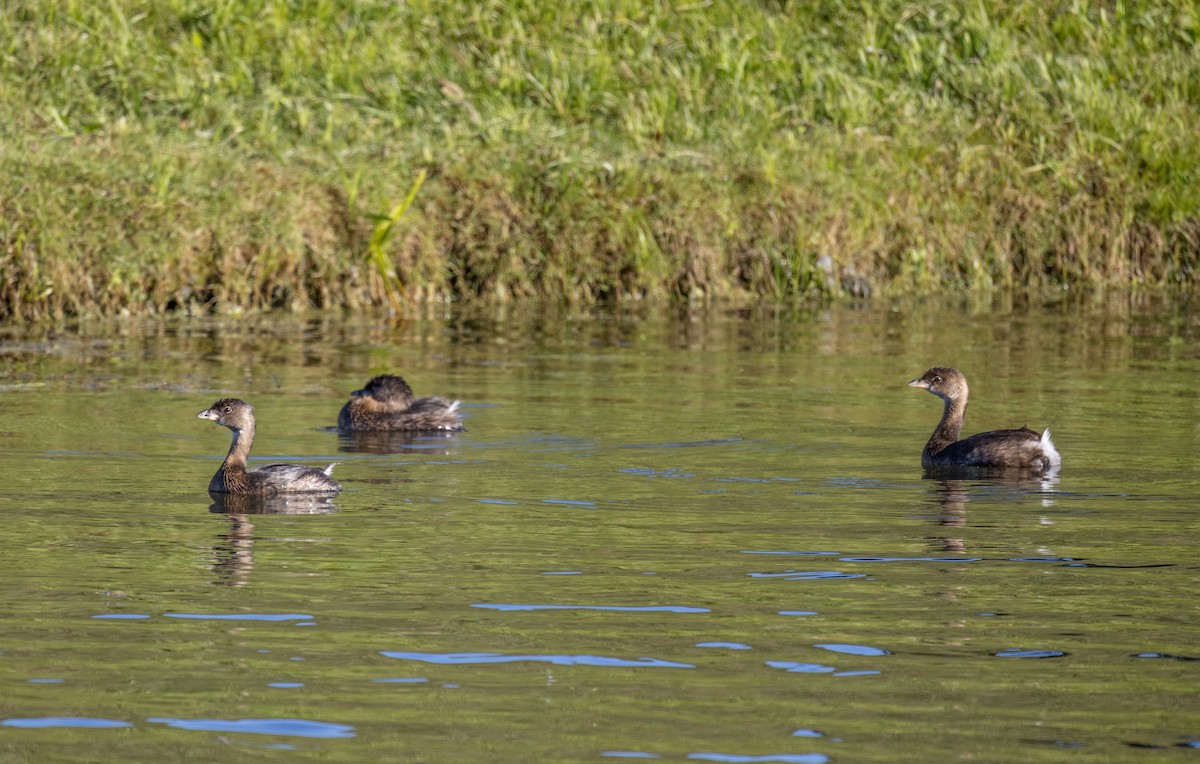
(244, 155)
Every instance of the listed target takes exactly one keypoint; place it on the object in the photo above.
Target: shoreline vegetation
(242, 156)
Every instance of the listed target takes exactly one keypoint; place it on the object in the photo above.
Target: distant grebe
(1007, 449)
(386, 404)
(233, 477)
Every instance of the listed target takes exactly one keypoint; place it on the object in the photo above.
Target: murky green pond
(700, 536)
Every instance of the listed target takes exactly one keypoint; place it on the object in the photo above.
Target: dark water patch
(285, 685)
(854, 649)
(807, 575)
(283, 727)
(1165, 656)
(48, 722)
(787, 758)
(1013, 653)
(558, 660)
(1065, 744)
(798, 612)
(725, 645)
(610, 608)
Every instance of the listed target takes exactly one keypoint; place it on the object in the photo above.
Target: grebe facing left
(386, 404)
(233, 477)
(1022, 448)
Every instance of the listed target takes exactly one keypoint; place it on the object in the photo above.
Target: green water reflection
(725, 509)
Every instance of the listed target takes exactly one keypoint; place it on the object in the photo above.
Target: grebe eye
(228, 409)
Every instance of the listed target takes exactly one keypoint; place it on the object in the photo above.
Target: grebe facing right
(1022, 448)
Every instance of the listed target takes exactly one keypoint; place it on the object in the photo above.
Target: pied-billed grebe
(386, 403)
(273, 479)
(1005, 449)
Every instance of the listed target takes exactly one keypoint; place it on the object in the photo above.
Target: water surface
(694, 536)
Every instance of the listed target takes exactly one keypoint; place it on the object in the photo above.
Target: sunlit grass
(235, 155)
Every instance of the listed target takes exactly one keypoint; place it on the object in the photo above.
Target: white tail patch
(329, 469)
(454, 406)
(1048, 450)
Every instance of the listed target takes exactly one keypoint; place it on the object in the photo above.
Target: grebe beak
(919, 383)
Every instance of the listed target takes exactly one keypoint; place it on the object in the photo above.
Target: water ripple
(291, 727)
(793, 667)
(242, 616)
(615, 608)
(854, 649)
(1012, 653)
(910, 559)
(1042, 559)
(764, 551)
(726, 645)
(558, 660)
(43, 722)
(807, 575)
(685, 444)
(673, 472)
(788, 758)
